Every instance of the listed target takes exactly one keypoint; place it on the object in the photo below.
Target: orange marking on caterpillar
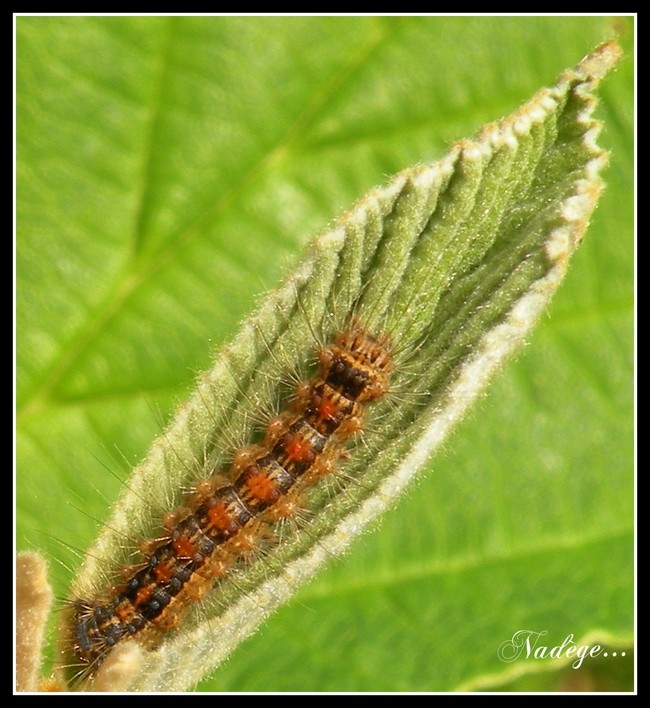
(227, 517)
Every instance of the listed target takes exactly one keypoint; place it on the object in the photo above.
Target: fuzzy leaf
(459, 257)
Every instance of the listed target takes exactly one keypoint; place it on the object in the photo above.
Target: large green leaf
(169, 168)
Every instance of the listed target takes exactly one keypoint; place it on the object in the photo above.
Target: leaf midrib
(463, 564)
(136, 273)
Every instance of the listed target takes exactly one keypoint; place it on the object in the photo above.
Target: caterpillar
(225, 515)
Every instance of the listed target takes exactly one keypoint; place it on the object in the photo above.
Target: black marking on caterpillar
(228, 514)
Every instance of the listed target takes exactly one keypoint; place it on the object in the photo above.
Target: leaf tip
(600, 62)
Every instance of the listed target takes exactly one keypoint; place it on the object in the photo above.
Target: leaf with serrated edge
(458, 258)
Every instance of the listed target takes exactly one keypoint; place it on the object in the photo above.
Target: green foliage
(169, 169)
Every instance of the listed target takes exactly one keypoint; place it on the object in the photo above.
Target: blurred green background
(170, 169)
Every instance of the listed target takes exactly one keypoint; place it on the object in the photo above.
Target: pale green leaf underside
(494, 209)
